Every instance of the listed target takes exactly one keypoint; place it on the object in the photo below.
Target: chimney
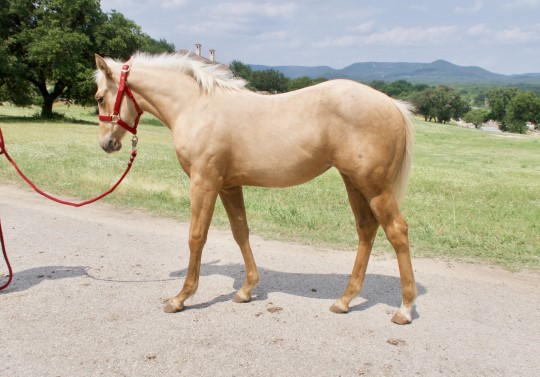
(198, 49)
(213, 56)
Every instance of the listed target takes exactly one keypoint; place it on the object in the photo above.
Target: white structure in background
(198, 54)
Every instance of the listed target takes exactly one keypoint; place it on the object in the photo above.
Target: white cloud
(515, 4)
(404, 36)
(275, 35)
(173, 3)
(362, 28)
(118, 4)
(418, 8)
(397, 36)
(509, 35)
(473, 8)
(211, 27)
(512, 35)
(241, 19)
(479, 30)
(246, 8)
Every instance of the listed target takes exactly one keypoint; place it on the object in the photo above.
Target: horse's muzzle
(111, 145)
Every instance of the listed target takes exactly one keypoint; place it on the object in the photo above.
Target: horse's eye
(99, 100)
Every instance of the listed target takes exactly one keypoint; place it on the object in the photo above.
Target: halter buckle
(134, 141)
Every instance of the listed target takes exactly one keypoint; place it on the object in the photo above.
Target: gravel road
(89, 285)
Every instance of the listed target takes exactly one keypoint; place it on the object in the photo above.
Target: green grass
(473, 196)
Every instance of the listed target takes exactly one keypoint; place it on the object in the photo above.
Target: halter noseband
(123, 88)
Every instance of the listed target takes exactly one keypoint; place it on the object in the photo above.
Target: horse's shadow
(25, 279)
(377, 289)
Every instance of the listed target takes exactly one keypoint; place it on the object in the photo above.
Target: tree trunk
(47, 106)
(48, 98)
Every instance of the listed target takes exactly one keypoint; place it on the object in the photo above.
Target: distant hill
(437, 72)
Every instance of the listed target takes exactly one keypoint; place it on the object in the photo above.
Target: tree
(377, 84)
(424, 103)
(49, 47)
(401, 89)
(498, 100)
(120, 37)
(269, 80)
(522, 108)
(440, 103)
(398, 89)
(241, 70)
(477, 117)
(303, 82)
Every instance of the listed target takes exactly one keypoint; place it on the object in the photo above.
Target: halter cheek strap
(123, 88)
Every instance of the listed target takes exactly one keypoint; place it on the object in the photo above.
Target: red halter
(123, 88)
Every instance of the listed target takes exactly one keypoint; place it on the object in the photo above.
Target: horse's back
(287, 139)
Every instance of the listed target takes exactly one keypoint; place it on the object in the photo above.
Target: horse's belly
(277, 173)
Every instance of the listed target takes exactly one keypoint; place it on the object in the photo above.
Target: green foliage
(440, 103)
(47, 48)
(514, 108)
(522, 108)
(244, 71)
(498, 99)
(299, 83)
(270, 80)
(477, 117)
(120, 37)
(401, 89)
(241, 70)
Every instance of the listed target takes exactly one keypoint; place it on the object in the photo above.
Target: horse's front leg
(203, 195)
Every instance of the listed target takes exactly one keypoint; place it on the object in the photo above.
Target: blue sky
(502, 36)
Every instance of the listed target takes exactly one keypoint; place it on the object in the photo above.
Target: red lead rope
(123, 88)
(41, 192)
(10, 272)
(80, 204)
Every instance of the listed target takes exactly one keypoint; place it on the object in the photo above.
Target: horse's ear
(101, 64)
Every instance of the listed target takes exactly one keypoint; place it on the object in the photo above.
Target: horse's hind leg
(387, 212)
(366, 226)
(233, 201)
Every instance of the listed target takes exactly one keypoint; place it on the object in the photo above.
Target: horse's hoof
(339, 308)
(400, 319)
(240, 298)
(170, 307)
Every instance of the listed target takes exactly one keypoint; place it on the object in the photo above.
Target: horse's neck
(163, 94)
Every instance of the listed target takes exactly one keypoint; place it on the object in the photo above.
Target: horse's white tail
(402, 178)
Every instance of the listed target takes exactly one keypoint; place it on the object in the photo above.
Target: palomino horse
(226, 137)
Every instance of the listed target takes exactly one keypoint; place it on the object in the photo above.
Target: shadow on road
(23, 280)
(378, 289)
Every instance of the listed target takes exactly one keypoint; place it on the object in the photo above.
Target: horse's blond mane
(208, 76)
